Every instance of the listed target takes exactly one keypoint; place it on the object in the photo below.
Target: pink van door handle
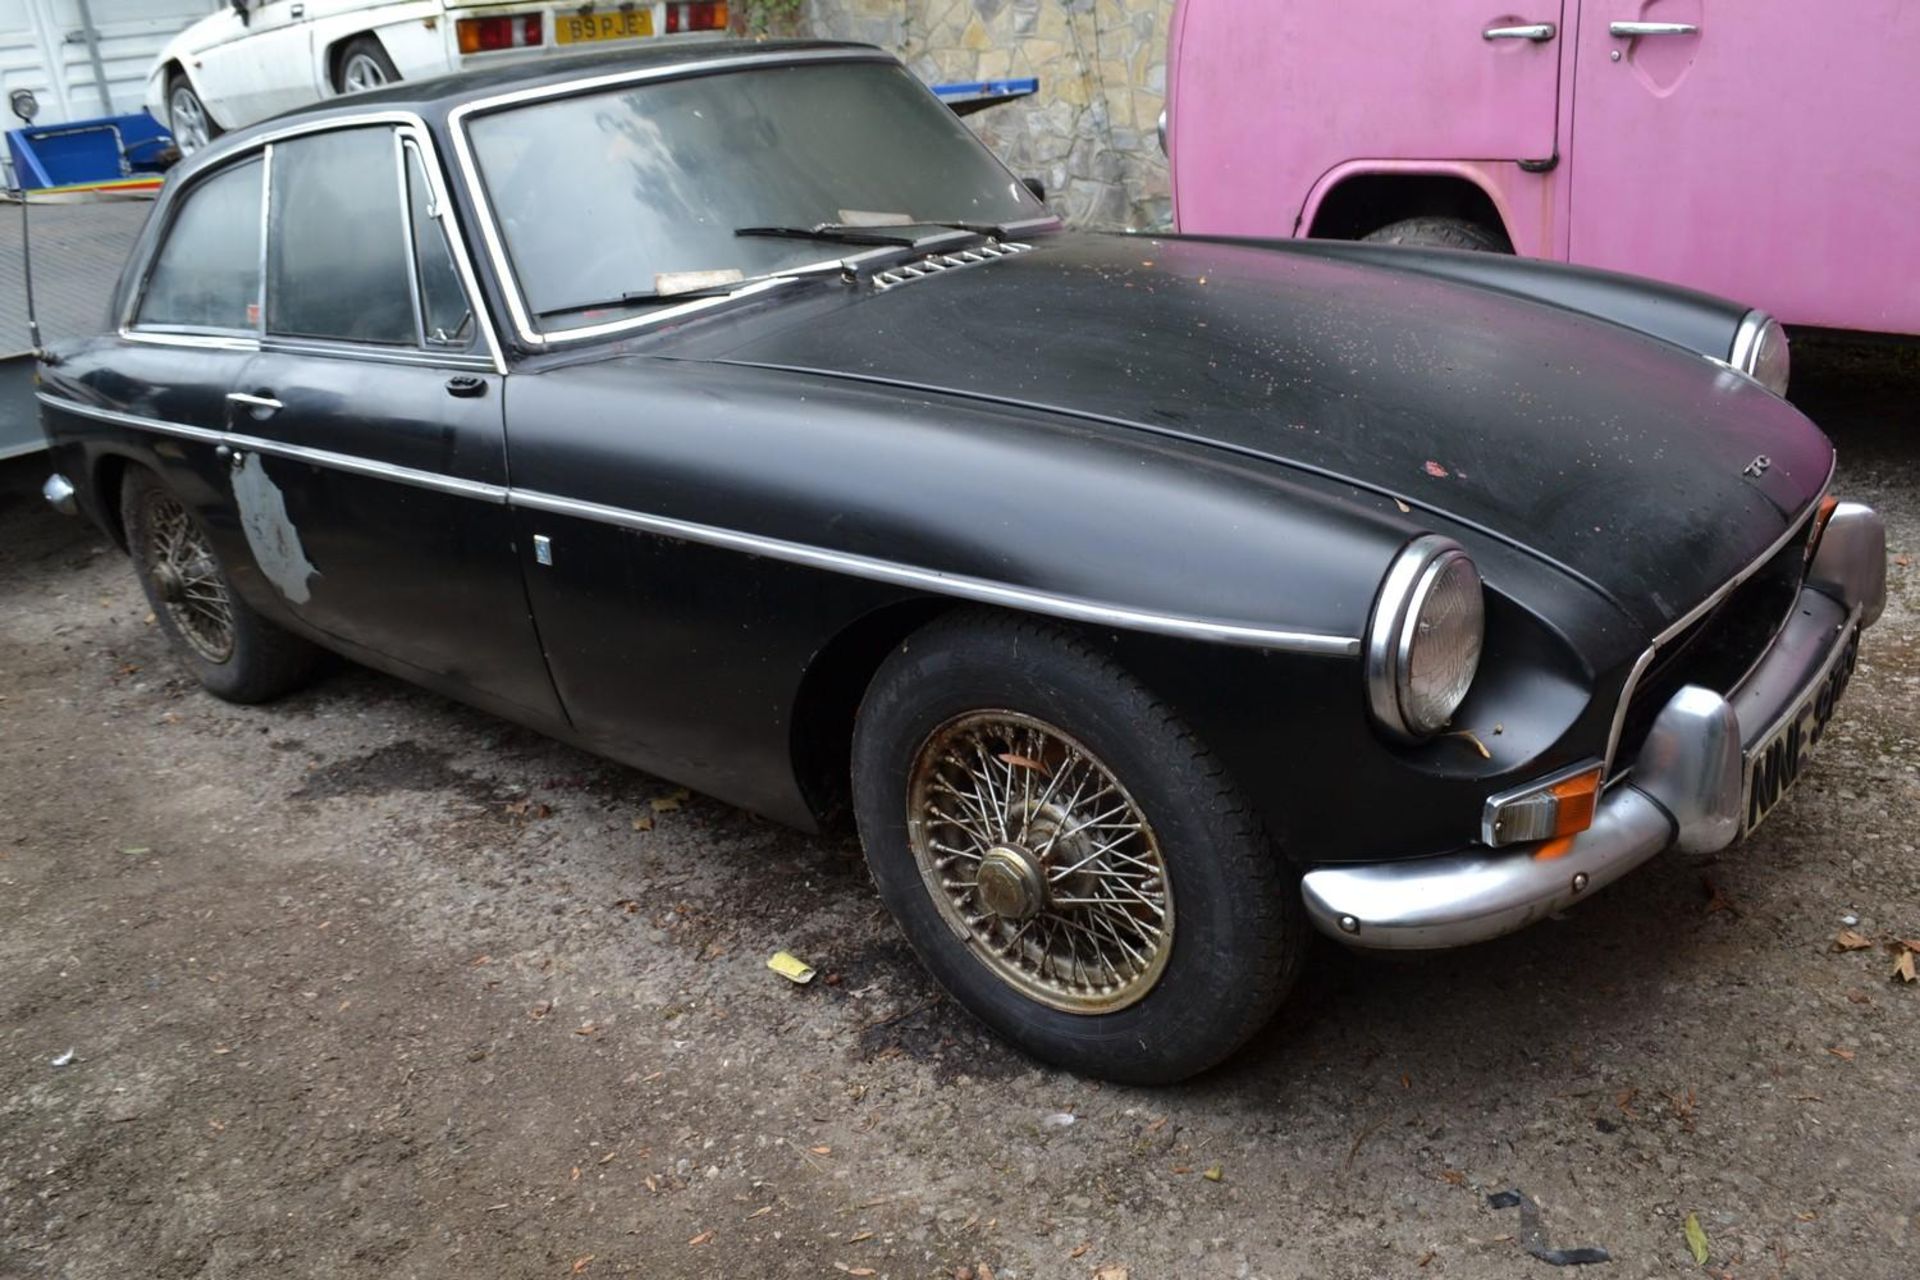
(1633, 30)
(1538, 32)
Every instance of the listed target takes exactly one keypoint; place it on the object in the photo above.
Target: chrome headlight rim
(1762, 352)
(1391, 631)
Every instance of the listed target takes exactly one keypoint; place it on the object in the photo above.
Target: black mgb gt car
(1150, 602)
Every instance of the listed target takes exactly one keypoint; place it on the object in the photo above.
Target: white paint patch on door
(270, 532)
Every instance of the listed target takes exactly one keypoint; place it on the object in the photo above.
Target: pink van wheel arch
(1532, 238)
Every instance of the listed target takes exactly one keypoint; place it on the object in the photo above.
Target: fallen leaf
(855, 1271)
(791, 967)
(1426, 1257)
(1716, 901)
(1404, 508)
(575, 1175)
(1696, 1239)
(540, 1010)
(1406, 1081)
(858, 1236)
(1859, 997)
(1155, 1126)
(761, 1212)
(1624, 1101)
(1024, 762)
(1435, 470)
(669, 802)
(1110, 1273)
(1214, 1173)
(701, 1239)
(586, 1029)
(1454, 1177)
(223, 1048)
(1183, 1168)
(643, 823)
(821, 1150)
(608, 1158)
(1848, 940)
(1903, 968)
(1902, 561)
(1080, 1250)
(1845, 1055)
(582, 1262)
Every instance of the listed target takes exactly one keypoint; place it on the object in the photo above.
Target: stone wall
(1089, 133)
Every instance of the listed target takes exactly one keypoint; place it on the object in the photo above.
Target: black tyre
(1066, 858)
(1442, 233)
(188, 119)
(237, 654)
(364, 65)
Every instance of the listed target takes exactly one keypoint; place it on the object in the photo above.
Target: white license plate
(1776, 762)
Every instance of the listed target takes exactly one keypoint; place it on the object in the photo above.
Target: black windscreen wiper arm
(847, 233)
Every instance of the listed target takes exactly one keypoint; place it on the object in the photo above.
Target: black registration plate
(1775, 763)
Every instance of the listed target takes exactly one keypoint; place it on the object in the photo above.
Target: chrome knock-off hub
(1011, 883)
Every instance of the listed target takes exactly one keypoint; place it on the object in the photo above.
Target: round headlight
(1423, 645)
(1760, 351)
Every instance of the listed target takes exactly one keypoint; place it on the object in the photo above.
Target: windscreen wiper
(850, 233)
(718, 289)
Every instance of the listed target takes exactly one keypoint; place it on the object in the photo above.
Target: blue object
(106, 149)
(968, 96)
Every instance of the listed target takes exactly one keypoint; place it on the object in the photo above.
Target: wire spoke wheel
(1039, 859)
(187, 579)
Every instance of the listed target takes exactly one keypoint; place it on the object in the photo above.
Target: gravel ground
(368, 984)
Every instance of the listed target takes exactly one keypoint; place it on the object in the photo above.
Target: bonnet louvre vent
(944, 262)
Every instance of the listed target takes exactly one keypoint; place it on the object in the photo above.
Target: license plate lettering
(605, 26)
(1774, 766)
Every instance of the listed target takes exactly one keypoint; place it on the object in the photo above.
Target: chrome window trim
(959, 586)
(408, 124)
(1706, 606)
(409, 236)
(522, 318)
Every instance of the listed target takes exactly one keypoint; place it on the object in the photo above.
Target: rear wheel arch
(1362, 203)
(337, 52)
(110, 472)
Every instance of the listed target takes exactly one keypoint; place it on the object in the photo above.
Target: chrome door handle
(1632, 30)
(265, 404)
(1538, 32)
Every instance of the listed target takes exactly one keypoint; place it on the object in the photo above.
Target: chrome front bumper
(1687, 789)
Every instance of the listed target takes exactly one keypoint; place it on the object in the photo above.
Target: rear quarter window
(206, 274)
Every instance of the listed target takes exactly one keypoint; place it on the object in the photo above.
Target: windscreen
(600, 194)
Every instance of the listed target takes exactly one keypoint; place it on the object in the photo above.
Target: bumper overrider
(1688, 788)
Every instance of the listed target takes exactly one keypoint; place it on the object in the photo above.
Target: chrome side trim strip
(1694, 614)
(959, 586)
(299, 453)
(948, 584)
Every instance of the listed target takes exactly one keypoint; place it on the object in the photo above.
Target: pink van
(1766, 150)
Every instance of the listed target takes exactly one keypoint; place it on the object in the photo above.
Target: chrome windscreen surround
(1409, 579)
(941, 263)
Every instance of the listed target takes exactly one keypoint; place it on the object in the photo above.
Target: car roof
(443, 93)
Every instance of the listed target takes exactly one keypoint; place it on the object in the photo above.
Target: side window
(444, 314)
(206, 274)
(337, 238)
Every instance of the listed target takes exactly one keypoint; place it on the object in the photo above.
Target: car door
(369, 469)
(265, 69)
(186, 335)
(1758, 150)
(1269, 98)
